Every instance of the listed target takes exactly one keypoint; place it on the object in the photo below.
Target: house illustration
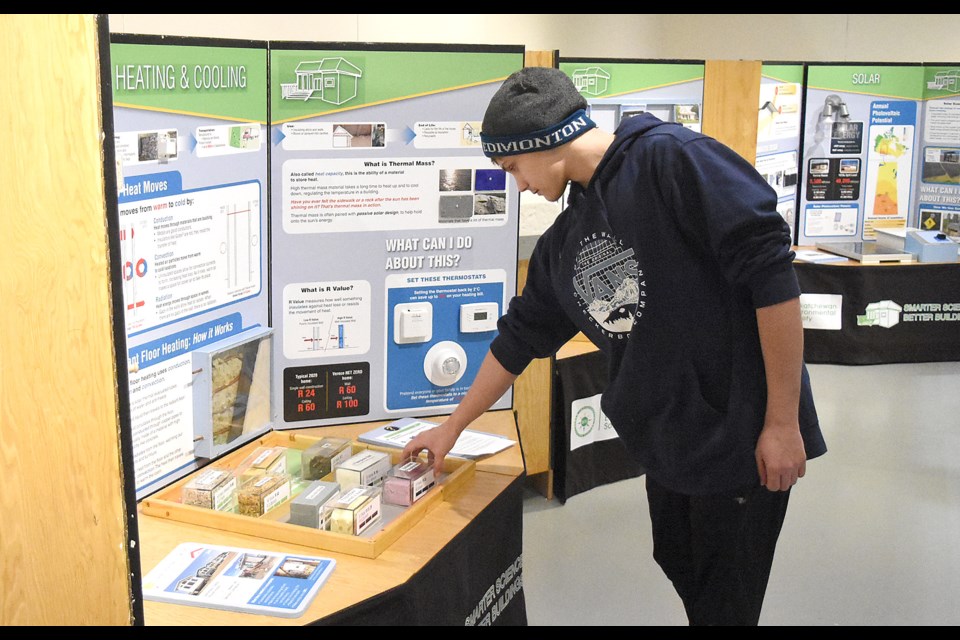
(471, 134)
(341, 137)
(885, 313)
(592, 80)
(333, 80)
(946, 80)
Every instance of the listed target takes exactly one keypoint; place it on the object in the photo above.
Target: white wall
(786, 37)
(535, 31)
(807, 38)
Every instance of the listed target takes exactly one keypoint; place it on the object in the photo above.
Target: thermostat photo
(445, 363)
(412, 322)
(478, 317)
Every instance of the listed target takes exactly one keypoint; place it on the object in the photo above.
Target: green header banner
(218, 82)
(307, 83)
(783, 72)
(887, 81)
(610, 79)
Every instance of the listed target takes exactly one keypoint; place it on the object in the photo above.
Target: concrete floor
(872, 535)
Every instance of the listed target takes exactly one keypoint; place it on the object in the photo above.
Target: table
(880, 314)
(460, 565)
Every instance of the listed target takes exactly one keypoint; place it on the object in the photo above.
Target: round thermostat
(445, 363)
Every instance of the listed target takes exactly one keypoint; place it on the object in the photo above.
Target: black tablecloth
(475, 580)
(890, 313)
(579, 469)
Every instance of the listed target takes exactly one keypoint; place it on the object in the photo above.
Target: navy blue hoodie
(662, 262)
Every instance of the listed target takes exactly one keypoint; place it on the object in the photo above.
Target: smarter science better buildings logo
(887, 313)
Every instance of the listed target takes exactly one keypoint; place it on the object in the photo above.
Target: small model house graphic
(341, 137)
(885, 313)
(946, 81)
(333, 80)
(592, 80)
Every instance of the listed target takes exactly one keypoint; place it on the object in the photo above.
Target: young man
(671, 257)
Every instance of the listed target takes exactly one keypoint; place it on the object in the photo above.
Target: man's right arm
(534, 326)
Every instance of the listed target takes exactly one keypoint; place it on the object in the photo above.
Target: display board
(937, 181)
(394, 239)
(779, 119)
(881, 150)
(190, 121)
(393, 249)
(475, 580)
(619, 88)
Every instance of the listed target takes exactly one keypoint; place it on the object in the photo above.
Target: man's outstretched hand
(438, 442)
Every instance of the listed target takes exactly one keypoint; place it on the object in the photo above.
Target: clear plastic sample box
(322, 458)
(231, 391)
(408, 481)
(259, 495)
(307, 509)
(263, 461)
(367, 468)
(212, 489)
(355, 511)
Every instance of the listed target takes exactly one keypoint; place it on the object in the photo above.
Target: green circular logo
(584, 420)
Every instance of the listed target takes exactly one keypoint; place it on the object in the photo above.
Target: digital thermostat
(479, 316)
(412, 322)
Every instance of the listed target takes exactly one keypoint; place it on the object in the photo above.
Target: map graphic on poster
(888, 153)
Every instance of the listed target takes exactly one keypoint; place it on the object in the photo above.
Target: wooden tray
(166, 504)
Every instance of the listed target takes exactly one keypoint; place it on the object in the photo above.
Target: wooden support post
(64, 543)
(532, 390)
(731, 93)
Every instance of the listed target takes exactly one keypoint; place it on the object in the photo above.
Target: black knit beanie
(535, 109)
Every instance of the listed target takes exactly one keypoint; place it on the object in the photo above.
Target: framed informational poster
(310, 234)
(190, 120)
(860, 150)
(394, 239)
(617, 89)
(937, 179)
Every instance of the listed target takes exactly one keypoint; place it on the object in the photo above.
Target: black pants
(717, 549)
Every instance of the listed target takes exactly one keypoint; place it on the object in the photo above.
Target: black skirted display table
(586, 450)
(890, 313)
(470, 582)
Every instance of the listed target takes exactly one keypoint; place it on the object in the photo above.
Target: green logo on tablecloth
(584, 420)
(885, 313)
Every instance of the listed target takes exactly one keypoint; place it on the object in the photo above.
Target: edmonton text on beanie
(535, 109)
